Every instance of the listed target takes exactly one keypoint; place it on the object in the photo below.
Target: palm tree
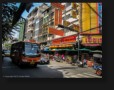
(10, 16)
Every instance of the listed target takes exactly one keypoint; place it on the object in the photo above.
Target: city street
(52, 70)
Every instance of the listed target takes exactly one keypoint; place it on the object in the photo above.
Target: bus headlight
(24, 60)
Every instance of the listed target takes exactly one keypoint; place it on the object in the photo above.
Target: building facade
(43, 24)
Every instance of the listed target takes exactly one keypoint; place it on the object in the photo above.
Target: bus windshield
(31, 49)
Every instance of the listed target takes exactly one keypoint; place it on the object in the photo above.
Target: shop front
(92, 42)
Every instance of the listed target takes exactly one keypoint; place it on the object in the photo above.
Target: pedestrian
(74, 59)
(84, 62)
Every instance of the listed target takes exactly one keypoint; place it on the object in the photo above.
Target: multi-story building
(73, 16)
(43, 17)
(22, 24)
(31, 24)
(39, 21)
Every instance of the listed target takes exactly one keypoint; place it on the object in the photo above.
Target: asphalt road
(52, 70)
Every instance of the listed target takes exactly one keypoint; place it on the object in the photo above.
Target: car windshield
(31, 49)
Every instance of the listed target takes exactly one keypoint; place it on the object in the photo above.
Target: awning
(97, 55)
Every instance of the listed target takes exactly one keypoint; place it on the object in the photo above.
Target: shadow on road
(11, 70)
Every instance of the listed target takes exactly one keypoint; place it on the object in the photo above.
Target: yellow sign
(66, 23)
(94, 39)
(89, 18)
(74, 5)
(76, 27)
(73, 13)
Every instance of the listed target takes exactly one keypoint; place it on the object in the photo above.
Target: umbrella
(85, 49)
(97, 51)
(97, 55)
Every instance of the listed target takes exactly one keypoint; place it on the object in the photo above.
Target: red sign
(68, 39)
(57, 41)
(56, 17)
(60, 16)
(58, 5)
(55, 31)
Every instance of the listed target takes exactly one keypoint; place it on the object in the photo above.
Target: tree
(8, 10)
(10, 16)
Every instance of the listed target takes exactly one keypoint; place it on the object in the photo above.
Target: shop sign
(76, 27)
(60, 16)
(89, 18)
(58, 5)
(74, 6)
(66, 23)
(57, 41)
(92, 40)
(73, 13)
(56, 17)
(69, 39)
(55, 31)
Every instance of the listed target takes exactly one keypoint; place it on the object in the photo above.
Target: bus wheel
(35, 65)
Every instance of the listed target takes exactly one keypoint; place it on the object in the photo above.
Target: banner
(58, 5)
(69, 39)
(60, 16)
(56, 17)
(56, 41)
(55, 31)
(66, 40)
(89, 18)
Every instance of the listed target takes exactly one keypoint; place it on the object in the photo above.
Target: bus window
(31, 49)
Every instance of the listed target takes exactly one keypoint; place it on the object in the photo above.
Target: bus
(25, 53)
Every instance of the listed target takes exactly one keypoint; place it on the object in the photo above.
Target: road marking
(91, 75)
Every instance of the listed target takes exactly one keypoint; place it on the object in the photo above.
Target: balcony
(30, 29)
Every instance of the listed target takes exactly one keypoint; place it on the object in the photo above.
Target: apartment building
(42, 17)
(39, 21)
(30, 24)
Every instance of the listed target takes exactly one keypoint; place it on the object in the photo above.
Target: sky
(25, 14)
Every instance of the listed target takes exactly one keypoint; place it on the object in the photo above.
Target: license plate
(32, 62)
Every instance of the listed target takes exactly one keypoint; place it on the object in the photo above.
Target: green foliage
(10, 16)
(8, 10)
(8, 46)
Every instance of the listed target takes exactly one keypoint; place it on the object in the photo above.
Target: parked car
(6, 53)
(44, 60)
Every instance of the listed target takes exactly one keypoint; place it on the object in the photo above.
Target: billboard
(55, 31)
(89, 18)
